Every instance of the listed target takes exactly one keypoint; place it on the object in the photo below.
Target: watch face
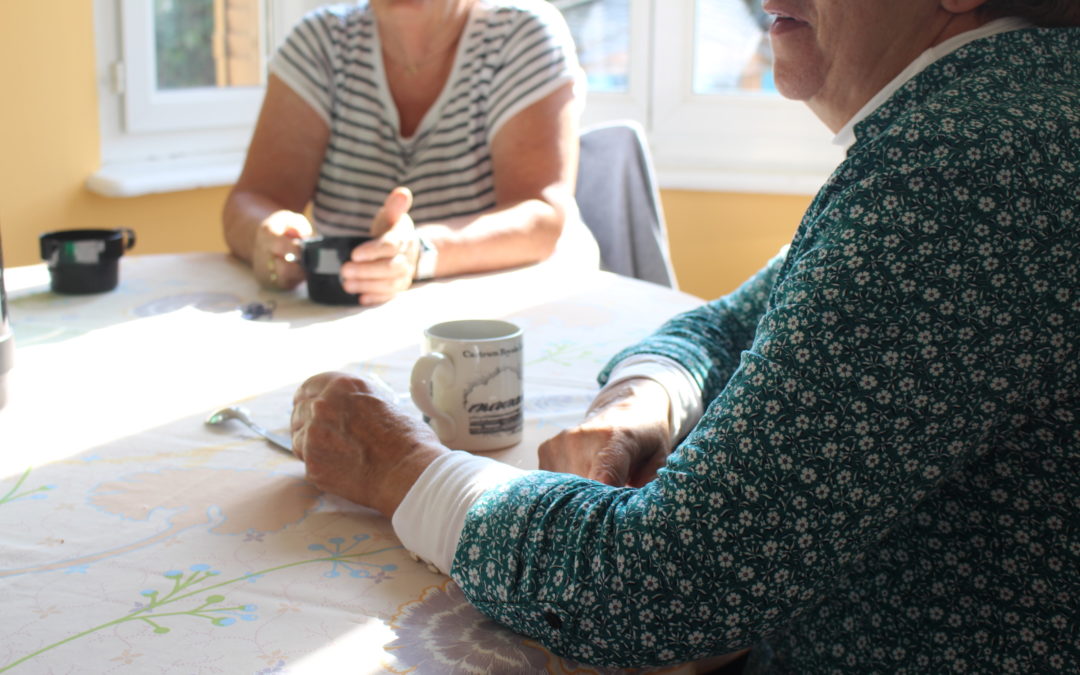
(426, 259)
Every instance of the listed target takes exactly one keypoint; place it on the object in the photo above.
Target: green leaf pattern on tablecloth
(193, 595)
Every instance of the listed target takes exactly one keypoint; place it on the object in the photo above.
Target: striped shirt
(512, 54)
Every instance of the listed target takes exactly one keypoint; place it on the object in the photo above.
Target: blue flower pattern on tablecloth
(354, 569)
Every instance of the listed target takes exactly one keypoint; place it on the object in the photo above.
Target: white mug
(468, 383)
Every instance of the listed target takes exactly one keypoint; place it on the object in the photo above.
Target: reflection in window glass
(601, 31)
(731, 47)
(207, 43)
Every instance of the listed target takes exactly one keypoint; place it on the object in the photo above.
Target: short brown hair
(1039, 12)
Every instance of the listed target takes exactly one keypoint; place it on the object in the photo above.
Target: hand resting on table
(357, 443)
(624, 439)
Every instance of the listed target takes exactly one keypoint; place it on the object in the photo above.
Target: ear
(961, 6)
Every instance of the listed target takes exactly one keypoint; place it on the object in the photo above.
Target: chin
(794, 88)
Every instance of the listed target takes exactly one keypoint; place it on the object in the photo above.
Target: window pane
(601, 31)
(731, 49)
(208, 43)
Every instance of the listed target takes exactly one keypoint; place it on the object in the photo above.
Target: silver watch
(426, 260)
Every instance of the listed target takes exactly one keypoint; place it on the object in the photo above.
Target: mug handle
(420, 390)
(129, 237)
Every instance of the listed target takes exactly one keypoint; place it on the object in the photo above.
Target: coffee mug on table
(322, 258)
(468, 383)
(85, 261)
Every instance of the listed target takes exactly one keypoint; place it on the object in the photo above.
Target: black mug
(322, 258)
(85, 261)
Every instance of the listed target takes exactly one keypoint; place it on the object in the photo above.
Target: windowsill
(135, 179)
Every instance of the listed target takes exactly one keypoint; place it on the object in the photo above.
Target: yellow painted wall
(719, 239)
(49, 144)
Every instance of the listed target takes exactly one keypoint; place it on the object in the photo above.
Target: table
(135, 539)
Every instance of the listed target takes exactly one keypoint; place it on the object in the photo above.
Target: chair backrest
(617, 195)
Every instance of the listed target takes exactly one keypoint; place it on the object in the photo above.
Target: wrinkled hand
(276, 256)
(385, 266)
(356, 443)
(624, 439)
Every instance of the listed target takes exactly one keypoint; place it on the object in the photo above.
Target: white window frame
(741, 142)
(155, 141)
(147, 109)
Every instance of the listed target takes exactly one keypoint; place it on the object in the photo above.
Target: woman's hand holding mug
(386, 265)
(275, 260)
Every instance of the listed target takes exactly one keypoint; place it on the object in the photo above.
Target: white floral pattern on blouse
(887, 478)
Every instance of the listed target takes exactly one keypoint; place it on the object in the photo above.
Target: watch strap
(426, 259)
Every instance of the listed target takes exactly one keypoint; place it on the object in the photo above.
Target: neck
(836, 110)
(417, 35)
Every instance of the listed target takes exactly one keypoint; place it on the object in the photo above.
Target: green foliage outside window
(184, 31)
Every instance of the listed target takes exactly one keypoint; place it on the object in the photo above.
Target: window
(182, 80)
(180, 85)
(205, 65)
(698, 75)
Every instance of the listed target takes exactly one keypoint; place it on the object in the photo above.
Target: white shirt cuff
(686, 406)
(430, 518)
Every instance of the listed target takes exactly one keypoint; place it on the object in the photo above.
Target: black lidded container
(85, 261)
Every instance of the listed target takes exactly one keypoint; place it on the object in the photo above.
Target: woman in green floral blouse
(869, 454)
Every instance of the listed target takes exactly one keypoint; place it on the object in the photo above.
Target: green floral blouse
(887, 475)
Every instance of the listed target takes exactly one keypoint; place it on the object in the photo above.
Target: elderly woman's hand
(356, 443)
(385, 266)
(624, 439)
(275, 259)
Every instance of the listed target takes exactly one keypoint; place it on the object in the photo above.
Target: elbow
(554, 211)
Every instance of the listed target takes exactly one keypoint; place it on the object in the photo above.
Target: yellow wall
(49, 144)
(719, 239)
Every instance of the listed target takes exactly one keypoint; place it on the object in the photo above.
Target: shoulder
(517, 16)
(1002, 103)
(337, 19)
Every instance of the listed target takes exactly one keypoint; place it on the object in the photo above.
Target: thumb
(397, 204)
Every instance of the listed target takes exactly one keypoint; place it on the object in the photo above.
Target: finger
(572, 451)
(313, 386)
(395, 271)
(397, 204)
(286, 247)
(556, 454)
(382, 248)
(270, 275)
(375, 292)
(372, 299)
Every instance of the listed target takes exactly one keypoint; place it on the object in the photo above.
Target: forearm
(517, 233)
(244, 213)
(708, 341)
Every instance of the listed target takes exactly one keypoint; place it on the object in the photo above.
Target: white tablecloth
(135, 539)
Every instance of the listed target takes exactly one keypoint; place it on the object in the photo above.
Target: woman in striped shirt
(445, 129)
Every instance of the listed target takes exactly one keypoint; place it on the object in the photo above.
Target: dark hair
(1039, 12)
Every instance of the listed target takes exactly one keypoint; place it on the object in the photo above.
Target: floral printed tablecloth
(135, 539)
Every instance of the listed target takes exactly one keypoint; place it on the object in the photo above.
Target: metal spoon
(235, 412)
